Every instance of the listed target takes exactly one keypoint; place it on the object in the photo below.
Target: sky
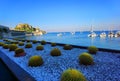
(62, 15)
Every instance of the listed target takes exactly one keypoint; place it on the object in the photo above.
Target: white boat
(73, 33)
(111, 34)
(59, 34)
(103, 34)
(117, 34)
(92, 34)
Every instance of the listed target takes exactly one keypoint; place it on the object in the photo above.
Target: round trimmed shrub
(21, 43)
(1, 43)
(5, 46)
(43, 42)
(28, 45)
(12, 47)
(8, 42)
(27, 40)
(19, 52)
(67, 47)
(86, 59)
(35, 61)
(55, 52)
(72, 75)
(16, 39)
(34, 41)
(5, 39)
(40, 47)
(23, 40)
(53, 44)
(14, 42)
(92, 49)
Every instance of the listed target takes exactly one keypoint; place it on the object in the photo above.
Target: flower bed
(106, 67)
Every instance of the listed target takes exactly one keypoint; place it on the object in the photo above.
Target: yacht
(73, 33)
(103, 34)
(111, 34)
(117, 34)
(92, 34)
(59, 34)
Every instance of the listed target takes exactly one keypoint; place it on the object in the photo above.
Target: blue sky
(61, 15)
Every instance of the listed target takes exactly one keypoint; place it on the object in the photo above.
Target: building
(4, 31)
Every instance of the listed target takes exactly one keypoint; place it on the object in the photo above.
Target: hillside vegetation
(27, 28)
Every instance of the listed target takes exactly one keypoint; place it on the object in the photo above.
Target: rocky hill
(28, 28)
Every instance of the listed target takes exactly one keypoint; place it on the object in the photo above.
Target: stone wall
(17, 33)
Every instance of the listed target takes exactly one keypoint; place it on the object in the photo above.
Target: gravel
(106, 67)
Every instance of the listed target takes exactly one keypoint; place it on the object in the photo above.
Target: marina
(81, 39)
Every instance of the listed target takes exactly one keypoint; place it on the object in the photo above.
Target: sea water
(80, 39)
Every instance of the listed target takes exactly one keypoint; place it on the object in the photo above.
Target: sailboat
(111, 34)
(92, 33)
(103, 35)
(73, 33)
(117, 34)
(59, 34)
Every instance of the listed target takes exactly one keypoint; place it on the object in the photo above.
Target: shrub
(8, 42)
(72, 75)
(40, 47)
(43, 42)
(5, 39)
(35, 61)
(19, 52)
(23, 40)
(1, 43)
(53, 44)
(28, 45)
(55, 52)
(92, 49)
(86, 59)
(21, 44)
(34, 41)
(16, 39)
(5, 46)
(67, 47)
(14, 42)
(12, 47)
(27, 40)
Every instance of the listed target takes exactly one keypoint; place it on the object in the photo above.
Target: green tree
(5, 30)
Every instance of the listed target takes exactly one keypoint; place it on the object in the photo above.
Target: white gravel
(106, 68)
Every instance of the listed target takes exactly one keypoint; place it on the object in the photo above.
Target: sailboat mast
(91, 29)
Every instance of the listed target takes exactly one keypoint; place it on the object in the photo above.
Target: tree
(5, 30)
(1, 30)
(23, 27)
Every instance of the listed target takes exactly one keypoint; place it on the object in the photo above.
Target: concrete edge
(19, 72)
(85, 47)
